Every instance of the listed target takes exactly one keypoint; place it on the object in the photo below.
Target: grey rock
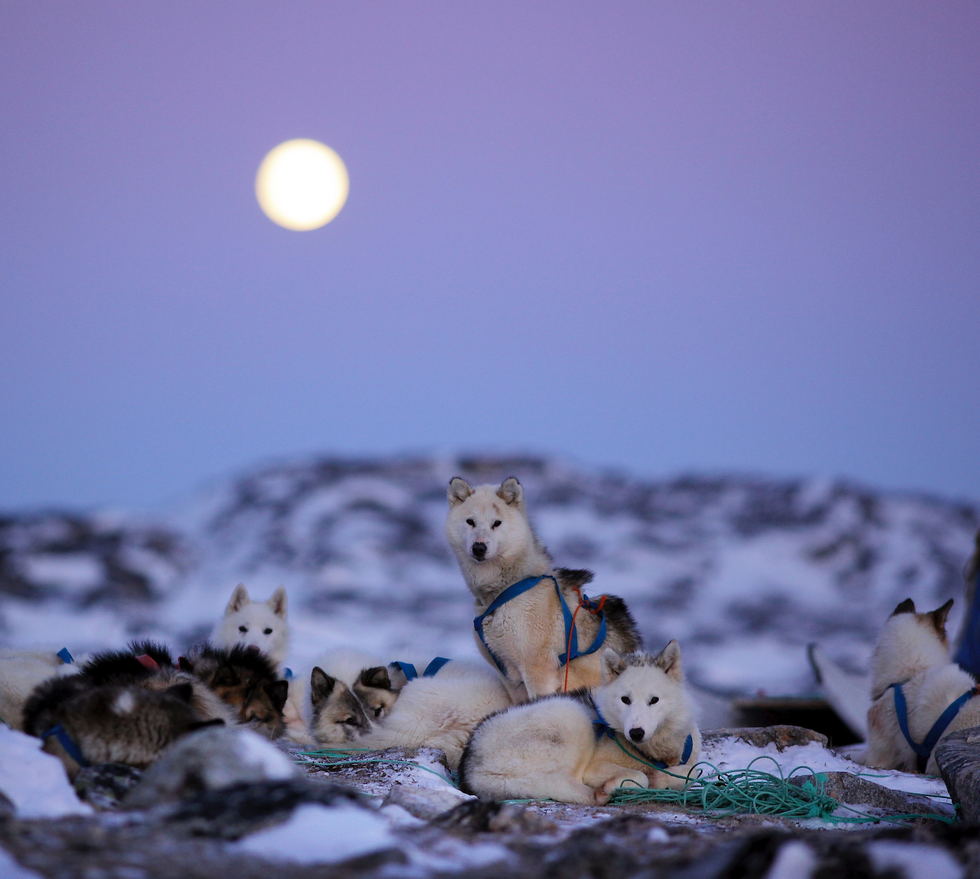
(489, 816)
(846, 787)
(233, 812)
(425, 802)
(208, 760)
(958, 756)
(781, 736)
(105, 784)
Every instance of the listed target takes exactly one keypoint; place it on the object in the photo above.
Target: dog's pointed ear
(669, 659)
(278, 602)
(277, 693)
(376, 677)
(459, 491)
(511, 492)
(613, 665)
(239, 598)
(184, 692)
(907, 606)
(321, 685)
(938, 617)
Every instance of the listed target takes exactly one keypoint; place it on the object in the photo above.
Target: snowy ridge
(743, 571)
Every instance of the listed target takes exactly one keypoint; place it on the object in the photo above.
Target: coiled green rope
(720, 794)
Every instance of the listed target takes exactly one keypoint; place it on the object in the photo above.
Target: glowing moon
(302, 185)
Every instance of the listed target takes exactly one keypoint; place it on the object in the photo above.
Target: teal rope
(717, 794)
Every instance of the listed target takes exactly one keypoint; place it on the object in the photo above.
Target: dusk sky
(661, 237)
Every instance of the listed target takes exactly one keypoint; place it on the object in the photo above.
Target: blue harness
(571, 636)
(68, 743)
(602, 728)
(65, 656)
(938, 728)
(411, 673)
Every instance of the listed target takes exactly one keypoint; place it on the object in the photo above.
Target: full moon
(302, 185)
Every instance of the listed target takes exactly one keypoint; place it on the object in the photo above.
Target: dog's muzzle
(479, 551)
(636, 734)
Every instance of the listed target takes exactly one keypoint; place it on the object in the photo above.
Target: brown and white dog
(911, 669)
(496, 547)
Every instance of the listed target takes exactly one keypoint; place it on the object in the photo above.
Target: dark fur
(87, 714)
(618, 618)
(122, 666)
(244, 679)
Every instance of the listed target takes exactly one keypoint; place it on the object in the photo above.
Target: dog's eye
(471, 523)
(268, 631)
(654, 700)
(243, 628)
(378, 710)
(495, 524)
(627, 700)
(349, 721)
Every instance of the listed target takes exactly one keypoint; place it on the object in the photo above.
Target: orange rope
(571, 629)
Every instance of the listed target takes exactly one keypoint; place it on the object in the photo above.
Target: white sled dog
(579, 747)
(20, 672)
(440, 711)
(523, 602)
(261, 625)
(918, 695)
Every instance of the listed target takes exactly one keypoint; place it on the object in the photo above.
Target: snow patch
(34, 781)
(316, 834)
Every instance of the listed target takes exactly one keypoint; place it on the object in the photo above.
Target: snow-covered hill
(743, 571)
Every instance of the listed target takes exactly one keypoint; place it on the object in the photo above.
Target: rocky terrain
(743, 571)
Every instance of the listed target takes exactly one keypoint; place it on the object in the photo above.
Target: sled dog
(258, 624)
(245, 680)
(20, 672)
(579, 747)
(353, 690)
(82, 723)
(150, 665)
(440, 711)
(524, 634)
(916, 689)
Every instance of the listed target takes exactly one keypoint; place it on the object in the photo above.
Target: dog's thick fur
(440, 711)
(913, 651)
(259, 624)
(349, 692)
(110, 723)
(125, 668)
(244, 680)
(495, 545)
(549, 749)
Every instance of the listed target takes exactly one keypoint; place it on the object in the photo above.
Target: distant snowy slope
(743, 571)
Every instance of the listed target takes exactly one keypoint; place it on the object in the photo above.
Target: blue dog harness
(938, 728)
(602, 728)
(411, 673)
(68, 743)
(571, 636)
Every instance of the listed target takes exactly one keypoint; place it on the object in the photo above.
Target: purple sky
(663, 237)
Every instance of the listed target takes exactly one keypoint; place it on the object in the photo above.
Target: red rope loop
(582, 602)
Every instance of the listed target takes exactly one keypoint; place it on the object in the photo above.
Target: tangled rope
(720, 794)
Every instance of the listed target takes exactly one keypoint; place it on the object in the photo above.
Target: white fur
(549, 748)
(256, 624)
(912, 650)
(20, 672)
(440, 711)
